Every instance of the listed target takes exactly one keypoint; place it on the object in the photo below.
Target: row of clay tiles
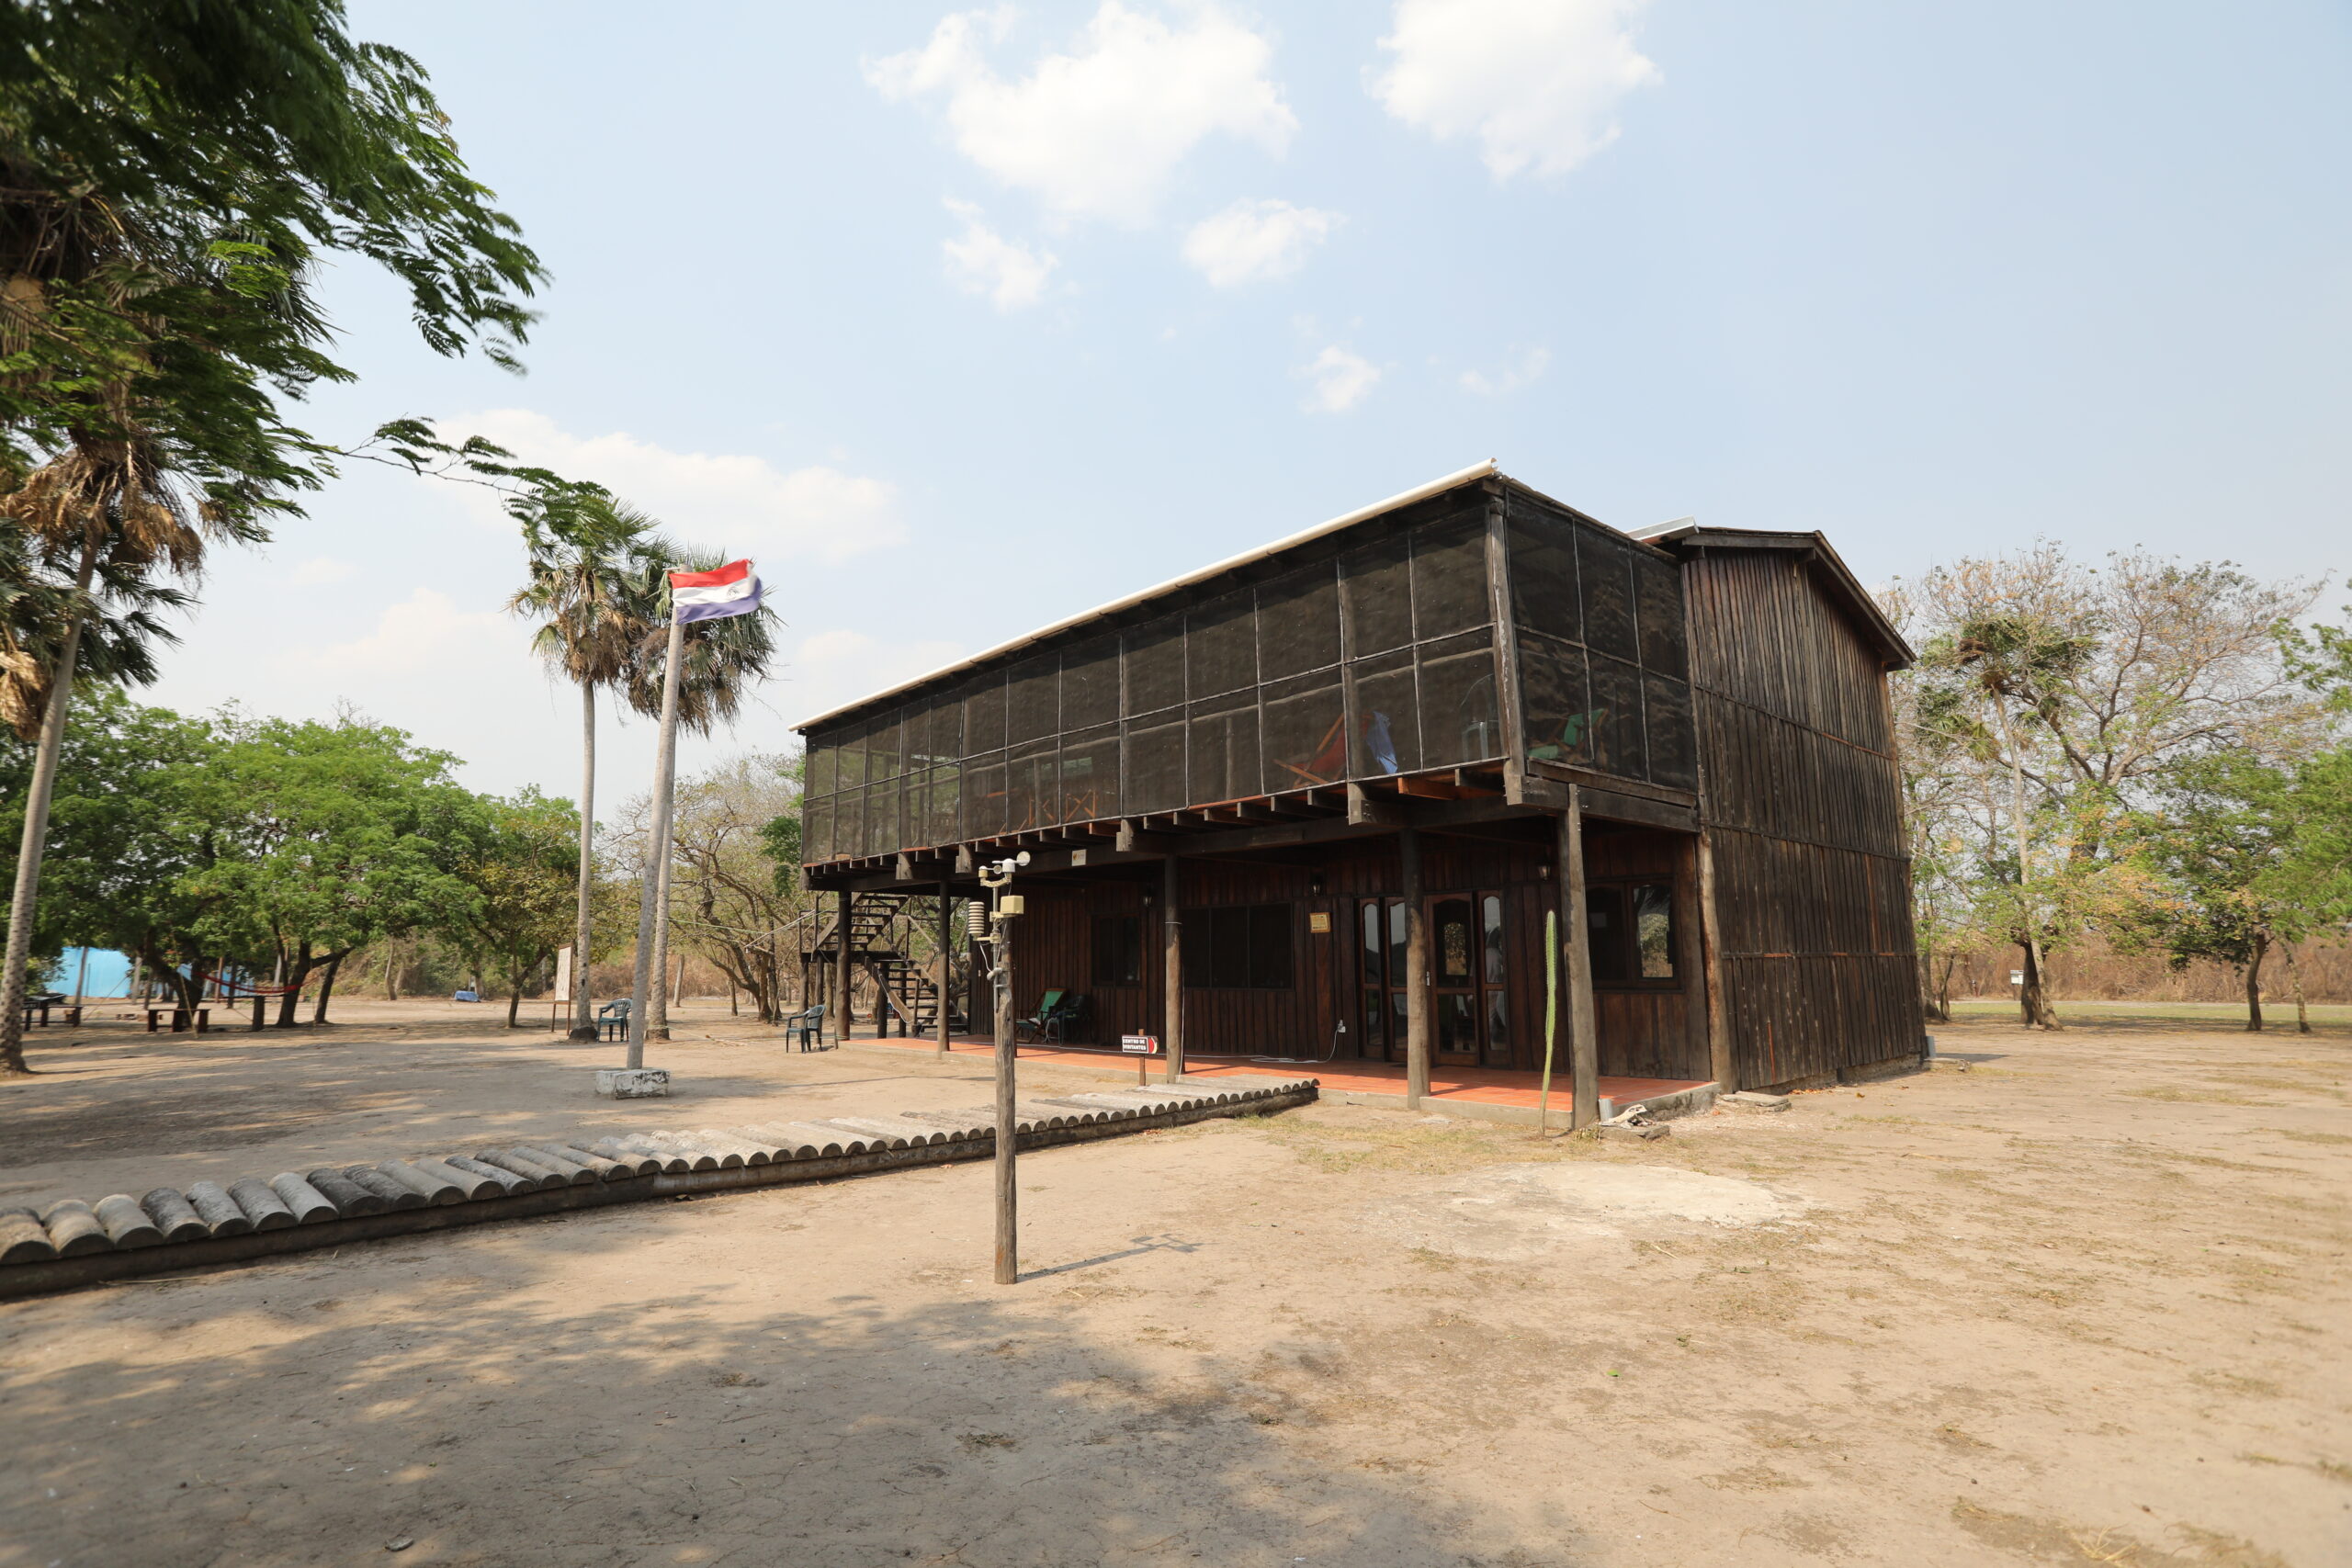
(207, 1211)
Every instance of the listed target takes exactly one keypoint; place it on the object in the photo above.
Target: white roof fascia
(1231, 563)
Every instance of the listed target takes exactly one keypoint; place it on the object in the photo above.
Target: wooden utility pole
(1584, 1045)
(843, 902)
(1172, 931)
(1008, 1193)
(1417, 971)
(657, 849)
(947, 966)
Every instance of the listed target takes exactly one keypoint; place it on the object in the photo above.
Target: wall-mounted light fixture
(1315, 882)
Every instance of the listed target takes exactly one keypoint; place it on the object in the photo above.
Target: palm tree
(588, 554)
(106, 505)
(722, 658)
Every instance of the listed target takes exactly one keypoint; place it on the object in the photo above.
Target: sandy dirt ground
(2084, 1303)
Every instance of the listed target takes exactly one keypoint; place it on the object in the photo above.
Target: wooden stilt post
(947, 966)
(1171, 931)
(1417, 971)
(842, 903)
(1720, 1062)
(1584, 1043)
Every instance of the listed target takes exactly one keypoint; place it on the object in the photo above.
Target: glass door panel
(1455, 954)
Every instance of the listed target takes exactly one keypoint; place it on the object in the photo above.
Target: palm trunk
(35, 842)
(2253, 985)
(583, 1020)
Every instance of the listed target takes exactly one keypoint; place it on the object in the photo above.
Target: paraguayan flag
(713, 595)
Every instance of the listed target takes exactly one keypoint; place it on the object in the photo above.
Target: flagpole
(658, 848)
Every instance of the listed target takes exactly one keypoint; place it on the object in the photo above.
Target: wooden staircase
(910, 998)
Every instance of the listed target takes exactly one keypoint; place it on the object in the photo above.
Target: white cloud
(733, 501)
(424, 633)
(1342, 380)
(981, 261)
(1097, 132)
(1252, 240)
(1516, 373)
(319, 570)
(1537, 81)
(831, 667)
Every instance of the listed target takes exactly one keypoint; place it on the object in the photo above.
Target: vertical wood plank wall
(1801, 805)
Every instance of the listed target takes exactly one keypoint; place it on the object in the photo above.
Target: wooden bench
(179, 1020)
(41, 1004)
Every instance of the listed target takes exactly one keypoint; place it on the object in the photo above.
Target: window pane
(1223, 765)
(1030, 791)
(1499, 1029)
(1298, 623)
(1460, 721)
(1305, 732)
(1388, 729)
(1543, 577)
(1559, 715)
(1379, 601)
(984, 715)
(1449, 577)
(1371, 955)
(984, 795)
(1653, 930)
(1091, 685)
(1228, 948)
(1605, 569)
(1617, 717)
(1194, 945)
(1673, 747)
(1270, 946)
(1089, 775)
(1604, 917)
(1657, 605)
(1221, 650)
(1033, 699)
(1155, 768)
(1154, 660)
(1118, 950)
(1490, 921)
(1452, 946)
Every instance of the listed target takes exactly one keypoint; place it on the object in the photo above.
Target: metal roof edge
(1361, 514)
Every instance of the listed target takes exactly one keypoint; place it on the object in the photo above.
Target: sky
(958, 323)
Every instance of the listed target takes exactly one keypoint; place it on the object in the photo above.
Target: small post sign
(2017, 976)
(1143, 1048)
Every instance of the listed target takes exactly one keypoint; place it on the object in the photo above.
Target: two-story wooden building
(1320, 799)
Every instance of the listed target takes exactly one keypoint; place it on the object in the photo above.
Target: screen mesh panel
(819, 772)
(1089, 775)
(946, 731)
(1155, 666)
(1543, 578)
(1220, 647)
(1449, 578)
(816, 827)
(914, 810)
(1377, 592)
(1033, 699)
(1605, 569)
(849, 822)
(1386, 737)
(984, 715)
(1223, 743)
(1091, 685)
(1032, 792)
(1460, 721)
(1657, 610)
(947, 804)
(1156, 765)
(1304, 730)
(1673, 758)
(1617, 717)
(1559, 721)
(983, 791)
(1298, 623)
(882, 760)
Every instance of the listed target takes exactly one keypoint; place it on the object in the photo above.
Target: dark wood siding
(1801, 805)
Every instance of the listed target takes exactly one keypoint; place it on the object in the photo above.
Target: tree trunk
(514, 1003)
(2253, 985)
(294, 984)
(23, 901)
(392, 971)
(326, 987)
(2295, 976)
(584, 1019)
(2033, 1000)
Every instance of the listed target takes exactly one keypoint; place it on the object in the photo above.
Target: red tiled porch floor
(1484, 1086)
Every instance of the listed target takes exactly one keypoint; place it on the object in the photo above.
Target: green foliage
(521, 872)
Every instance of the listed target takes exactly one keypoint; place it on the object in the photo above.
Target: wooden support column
(1721, 1062)
(842, 902)
(1417, 971)
(1584, 1041)
(947, 966)
(1172, 939)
